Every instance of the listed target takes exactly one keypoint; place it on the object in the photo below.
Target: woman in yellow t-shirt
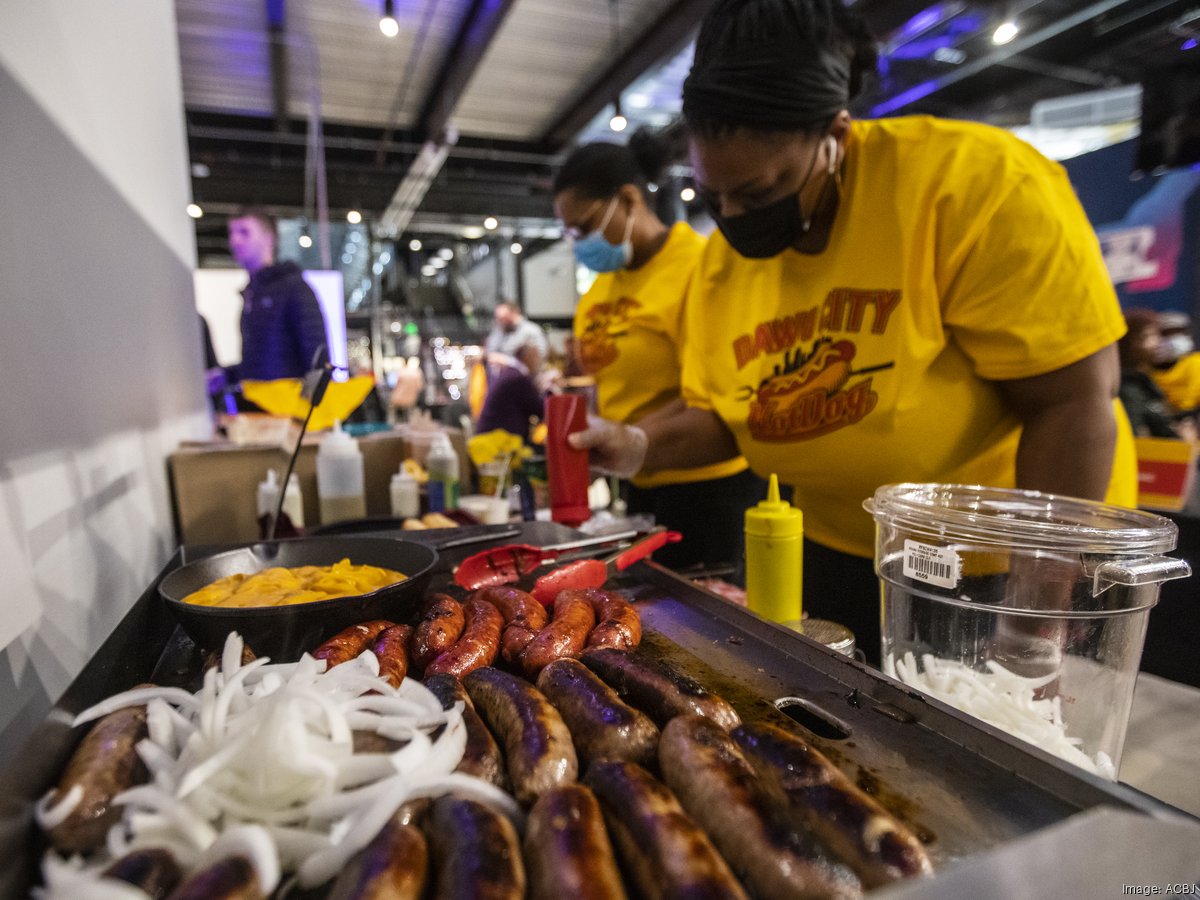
(627, 331)
(895, 300)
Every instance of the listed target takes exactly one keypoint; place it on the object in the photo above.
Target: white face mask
(1175, 346)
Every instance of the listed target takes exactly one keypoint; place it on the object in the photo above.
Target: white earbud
(833, 148)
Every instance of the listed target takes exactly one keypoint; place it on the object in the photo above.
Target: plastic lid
(1006, 517)
(403, 476)
(441, 444)
(774, 517)
(338, 443)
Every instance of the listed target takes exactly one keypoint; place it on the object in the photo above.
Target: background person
(513, 399)
(282, 325)
(628, 329)
(907, 299)
(1150, 413)
(511, 331)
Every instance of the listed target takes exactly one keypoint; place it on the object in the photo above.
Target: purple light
(904, 98)
(1189, 44)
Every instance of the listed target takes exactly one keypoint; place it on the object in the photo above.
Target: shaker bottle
(567, 467)
(340, 477)
(774, 552)
(442, 465)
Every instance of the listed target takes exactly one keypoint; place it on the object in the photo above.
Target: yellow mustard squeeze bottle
(774, 554)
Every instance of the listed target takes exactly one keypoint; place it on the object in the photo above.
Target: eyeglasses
(579, 232)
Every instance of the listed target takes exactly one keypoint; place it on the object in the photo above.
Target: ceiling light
(1005, 32)
(429, 271)
(1189, 44)
(472, 232)
(438, 263)
(446, 253)
(687, 195)
(951, 55)
(491, 223)
(304, 241)
(652, 187)
(387, 23)
(194, 210)
(354, 217)
(618, 122)
(640, 101)
(414, 245)
(516, 248)
(396, 327)
(200, 170)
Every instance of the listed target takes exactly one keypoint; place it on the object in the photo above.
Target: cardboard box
(214, 487)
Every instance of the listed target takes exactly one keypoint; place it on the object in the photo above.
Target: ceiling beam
(475, 34)
(1078, 19)
(277, 35)
(666, 37)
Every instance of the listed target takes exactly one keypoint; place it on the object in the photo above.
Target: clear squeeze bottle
(340, 477)
(442, 465)
(406, 496)
(774, 554)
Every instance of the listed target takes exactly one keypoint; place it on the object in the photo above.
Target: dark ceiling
(939, 59)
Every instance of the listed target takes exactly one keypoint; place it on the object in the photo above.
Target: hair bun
(650, 153)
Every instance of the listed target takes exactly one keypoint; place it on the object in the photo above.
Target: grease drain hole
(812, 717)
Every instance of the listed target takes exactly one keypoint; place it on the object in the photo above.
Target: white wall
(549, 276)
(100, 343)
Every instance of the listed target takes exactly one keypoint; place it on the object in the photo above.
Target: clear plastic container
(1024, 609)
(340, 478)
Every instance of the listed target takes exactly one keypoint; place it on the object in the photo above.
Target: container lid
(1007, 517)
(774, 517)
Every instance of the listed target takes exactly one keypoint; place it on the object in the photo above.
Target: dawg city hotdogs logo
(603, 325)
(821, 389)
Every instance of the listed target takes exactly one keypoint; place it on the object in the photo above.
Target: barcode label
(932, 565)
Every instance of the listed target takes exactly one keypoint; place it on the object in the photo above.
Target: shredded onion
(1000, 698)
(260, 762)
(52, 814)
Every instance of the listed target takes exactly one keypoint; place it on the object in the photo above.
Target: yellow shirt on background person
(629, 327)
(1181, 383)
(958, 255)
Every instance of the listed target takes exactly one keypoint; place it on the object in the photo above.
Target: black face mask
(764, 232)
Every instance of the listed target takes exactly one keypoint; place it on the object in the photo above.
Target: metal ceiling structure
(519, 80)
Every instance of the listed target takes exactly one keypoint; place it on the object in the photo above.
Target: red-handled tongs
(507, 564)
(595, 573)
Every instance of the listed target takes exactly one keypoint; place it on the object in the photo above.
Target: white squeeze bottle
(406, 496)
(340, 477)
(442, 465)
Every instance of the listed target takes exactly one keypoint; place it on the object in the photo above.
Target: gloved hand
(615, 448)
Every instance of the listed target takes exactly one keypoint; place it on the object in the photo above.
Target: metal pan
(284, 632)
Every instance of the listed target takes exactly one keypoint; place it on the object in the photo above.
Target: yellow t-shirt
(1181, 382)
(958, 255)
(629, 327)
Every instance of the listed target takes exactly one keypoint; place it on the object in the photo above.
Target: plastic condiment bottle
(291, 517)
(406, 496)
(567, 468)
(442, 465)
(340, 477)
(774, 553)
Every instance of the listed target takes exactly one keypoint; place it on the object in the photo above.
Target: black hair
(776, 65)
(600, 169)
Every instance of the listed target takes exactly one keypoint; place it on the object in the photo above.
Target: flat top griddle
(964, 786)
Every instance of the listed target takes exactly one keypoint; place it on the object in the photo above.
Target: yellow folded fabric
(281, 397)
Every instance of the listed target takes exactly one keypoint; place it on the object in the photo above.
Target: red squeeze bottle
(567, 467)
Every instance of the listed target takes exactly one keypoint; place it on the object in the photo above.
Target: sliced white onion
(50, 813)
(255, 844)
(135, 697)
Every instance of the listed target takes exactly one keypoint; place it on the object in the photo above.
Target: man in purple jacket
(513, 398)
(282, 326)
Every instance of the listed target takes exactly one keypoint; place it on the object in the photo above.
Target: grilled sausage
(567, 851)
(524, 617)
(717, 786)
(481, 757)
(657, 689)
(152, 869)
(442, 621)
(475, 851)
(537, 744)
(349, 643)
(601, 725)
(393, 866)
(618, 624)
(231, 878)
(391, 649)
(663, 851)
(566, 635)
(820, 798)
(478, 646)
(105, 764)
(214, 658)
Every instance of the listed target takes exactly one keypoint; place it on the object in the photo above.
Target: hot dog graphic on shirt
(812, 394)
(604, 325)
